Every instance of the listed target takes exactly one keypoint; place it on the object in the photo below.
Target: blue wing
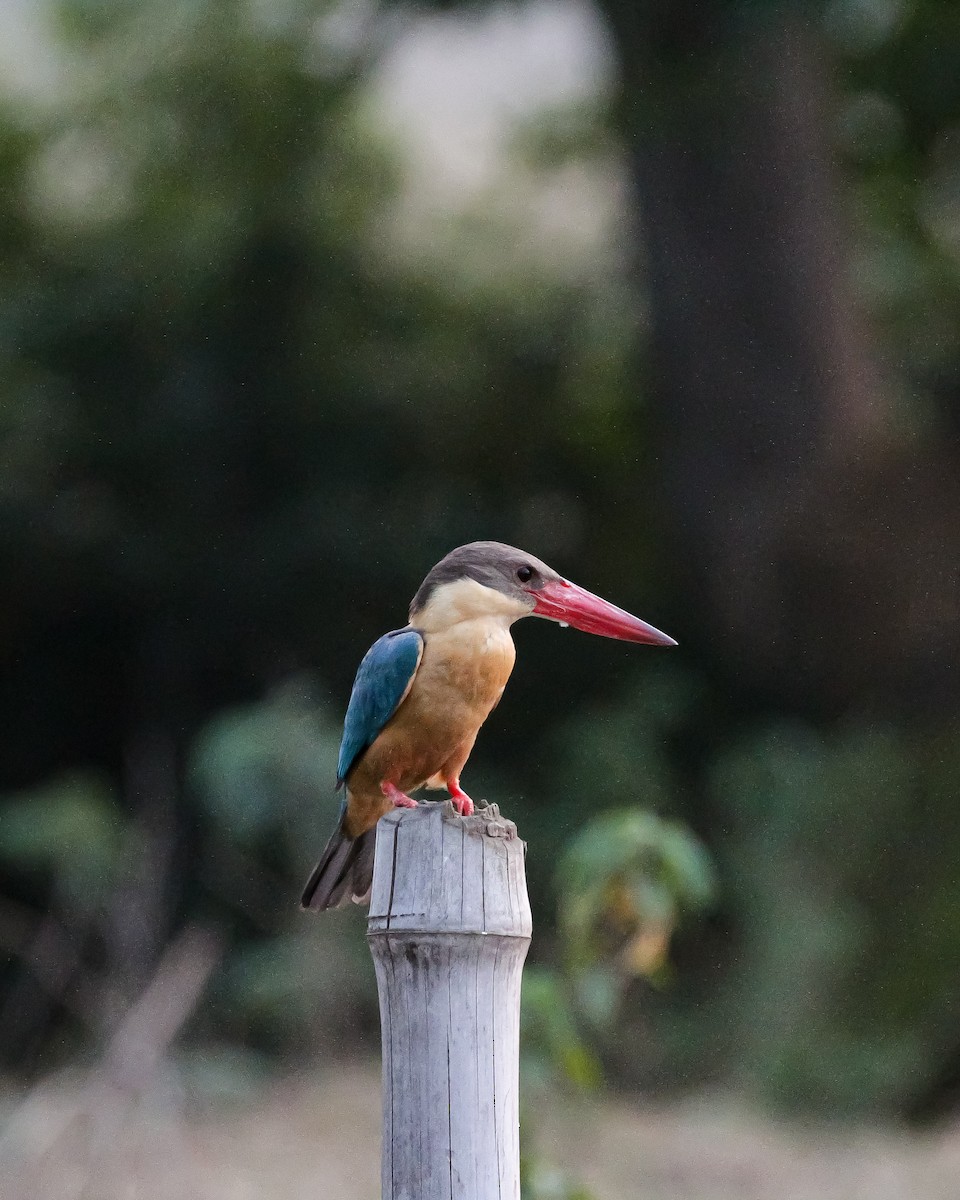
(382, 681)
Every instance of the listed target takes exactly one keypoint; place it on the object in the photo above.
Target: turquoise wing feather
(383, 677)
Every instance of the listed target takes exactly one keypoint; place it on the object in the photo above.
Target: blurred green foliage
(554, 1050)
(538, 1181)
(625, 881)
(68, 829)
(241, 416)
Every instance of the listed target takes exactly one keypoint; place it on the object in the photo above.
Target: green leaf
(629, 874)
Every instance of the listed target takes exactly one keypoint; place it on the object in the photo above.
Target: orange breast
(461, 677)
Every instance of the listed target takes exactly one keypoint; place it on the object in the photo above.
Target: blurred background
(297, 295)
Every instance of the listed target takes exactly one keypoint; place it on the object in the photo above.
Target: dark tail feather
(344, 872)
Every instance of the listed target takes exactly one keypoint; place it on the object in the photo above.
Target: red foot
(400, 799)
(461, 801)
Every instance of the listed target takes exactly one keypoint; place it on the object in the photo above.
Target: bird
(422, 692)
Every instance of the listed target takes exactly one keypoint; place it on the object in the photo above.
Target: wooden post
(449, 929)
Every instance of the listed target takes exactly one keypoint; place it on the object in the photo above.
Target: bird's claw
(396, 797)
(459, 798)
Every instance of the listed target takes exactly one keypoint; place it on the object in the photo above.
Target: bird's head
(490, 579)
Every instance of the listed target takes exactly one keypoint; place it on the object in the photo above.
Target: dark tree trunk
(787, 509)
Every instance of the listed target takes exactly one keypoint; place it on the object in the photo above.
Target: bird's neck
(463, 601)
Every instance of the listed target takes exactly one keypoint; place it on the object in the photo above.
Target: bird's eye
(524, 574)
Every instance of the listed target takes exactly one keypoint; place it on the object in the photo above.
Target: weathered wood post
(449, 929)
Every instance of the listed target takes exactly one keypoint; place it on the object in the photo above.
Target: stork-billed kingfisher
(422, 693)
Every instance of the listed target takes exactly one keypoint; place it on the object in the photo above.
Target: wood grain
(449, 929)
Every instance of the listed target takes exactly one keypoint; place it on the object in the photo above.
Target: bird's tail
(344, 872)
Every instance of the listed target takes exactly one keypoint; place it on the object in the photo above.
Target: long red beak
(571, 605)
